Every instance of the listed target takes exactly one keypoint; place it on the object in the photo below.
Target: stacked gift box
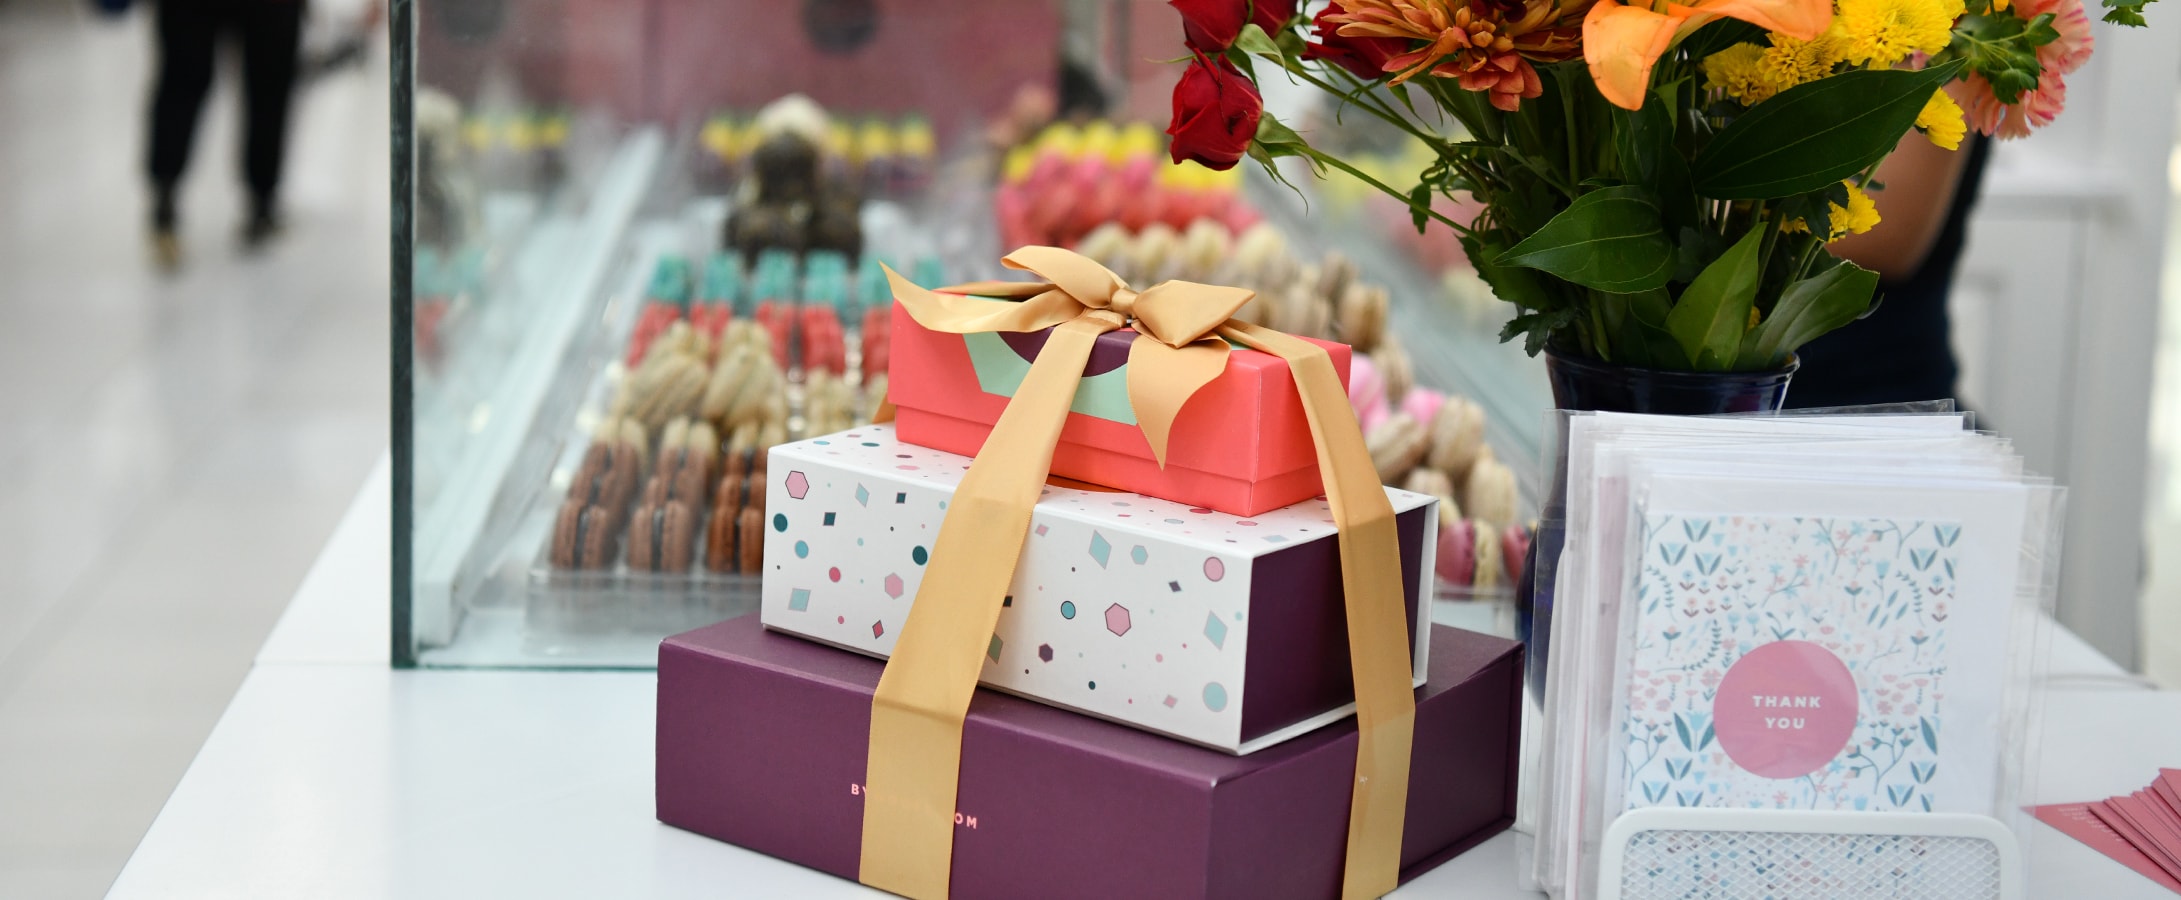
(1179, 614)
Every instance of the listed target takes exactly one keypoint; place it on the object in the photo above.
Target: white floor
(177, 447)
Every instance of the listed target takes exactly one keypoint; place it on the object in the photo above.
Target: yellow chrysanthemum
(1860, 215)
(1941, 121)
(1735, 72)
(1753, 74)
(1789, 62)
(1880, 33)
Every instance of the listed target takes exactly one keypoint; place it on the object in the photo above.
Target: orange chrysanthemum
(1487, 45)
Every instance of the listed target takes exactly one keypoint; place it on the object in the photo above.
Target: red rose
(1215, 114)
(1364, 56)
(1212, 25)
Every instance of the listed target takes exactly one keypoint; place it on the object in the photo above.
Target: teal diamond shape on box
(863, 496)
(1100, 549)
(994, 651)
(799, 599)
(1215, 630)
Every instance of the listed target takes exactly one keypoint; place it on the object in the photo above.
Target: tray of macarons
(661, 522)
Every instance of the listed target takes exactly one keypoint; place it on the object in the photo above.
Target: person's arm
(1920, 179)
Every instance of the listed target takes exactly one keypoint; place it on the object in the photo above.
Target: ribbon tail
(882, 408)
(962, 314)
(915, 753)
(1378, 636)
(1161, 379)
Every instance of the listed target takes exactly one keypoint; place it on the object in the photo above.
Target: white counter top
(334, 776)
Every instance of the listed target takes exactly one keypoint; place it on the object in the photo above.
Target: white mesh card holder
(1727, 854)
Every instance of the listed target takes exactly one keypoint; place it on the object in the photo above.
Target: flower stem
(1387, 189)
(1364, 100)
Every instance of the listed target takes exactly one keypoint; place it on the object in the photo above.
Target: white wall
(2056, 312)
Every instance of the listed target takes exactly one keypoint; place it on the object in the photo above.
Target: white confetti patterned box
(1214, 629)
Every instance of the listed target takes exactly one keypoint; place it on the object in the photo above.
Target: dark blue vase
(1584, 384)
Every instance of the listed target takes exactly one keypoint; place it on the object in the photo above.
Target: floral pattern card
(1850, 657)
(1784, 662)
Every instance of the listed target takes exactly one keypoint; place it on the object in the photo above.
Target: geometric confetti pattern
(1152, 597)
(1117, 620)
(1215, 630)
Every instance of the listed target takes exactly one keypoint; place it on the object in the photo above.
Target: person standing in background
(1903, 351)
(269, 32)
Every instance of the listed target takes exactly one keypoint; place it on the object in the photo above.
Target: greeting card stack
(2141, 830)
(1161, 526)
(1790, 658)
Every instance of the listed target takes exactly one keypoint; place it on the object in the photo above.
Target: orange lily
(1621, 42)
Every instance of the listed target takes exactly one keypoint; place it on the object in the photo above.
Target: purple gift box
(762, 742)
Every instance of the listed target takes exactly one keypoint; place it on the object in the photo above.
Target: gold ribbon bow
(1182, 333)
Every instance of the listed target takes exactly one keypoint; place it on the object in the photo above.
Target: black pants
(269, 31)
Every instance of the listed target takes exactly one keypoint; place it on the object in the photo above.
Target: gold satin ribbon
(1183, 329)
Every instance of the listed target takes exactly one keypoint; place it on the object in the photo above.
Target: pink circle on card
(1785, 709)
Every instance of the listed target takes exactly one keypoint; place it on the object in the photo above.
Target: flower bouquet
(1656, 182)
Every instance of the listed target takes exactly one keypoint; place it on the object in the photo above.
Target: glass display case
(638, 243)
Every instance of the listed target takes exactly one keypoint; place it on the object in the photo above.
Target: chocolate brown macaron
(719, 535)
(750, 540)
(662, 537)
(583, 537)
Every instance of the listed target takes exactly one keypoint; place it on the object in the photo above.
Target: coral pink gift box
(1241, 445)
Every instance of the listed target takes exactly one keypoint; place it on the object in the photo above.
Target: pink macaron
(1457, 565)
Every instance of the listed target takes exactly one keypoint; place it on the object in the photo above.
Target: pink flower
(2073, 48)
(2039, 107)
(1508, 77)
(1664, 706)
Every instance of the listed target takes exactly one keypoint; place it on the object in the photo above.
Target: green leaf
(2126, 12)
(2003, 49)
(1610, 239)
(1809, 308)
(1519, 286)
(1712, 313)
(1719, 35)
(1644, 142)
(1694, 247)
(1254, 41)
(1816, 133)
(1420, 206)
(1401, 92)
(1278, 139)
(1538, 327)
(1264, 157)
(1637, 323)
